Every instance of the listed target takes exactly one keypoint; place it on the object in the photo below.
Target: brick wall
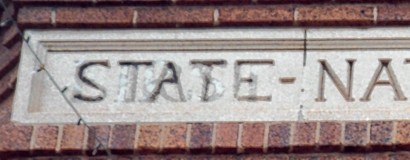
(274, 15)
(291, 140)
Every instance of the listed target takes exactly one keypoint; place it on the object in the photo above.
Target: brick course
(199, 138)
(110, 17)
(208, 16)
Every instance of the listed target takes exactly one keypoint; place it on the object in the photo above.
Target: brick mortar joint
(161, 138)
(265, 145)
(368, 133)
(317, 135)
(85, 140)
(33, 138)
(135, 17)
(213, 139)
(136, 138)
(188, 137)
(291, 136)
(394, 132)
(240, 148)
(59, 138)
(53, 17)
(110, 136)
(375, 14)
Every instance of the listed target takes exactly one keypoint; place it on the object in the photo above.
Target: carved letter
(252, 80)
(384, 63)
(85, 80)
(346, 91)
(164, 77)
(208, 81)
(128, 80)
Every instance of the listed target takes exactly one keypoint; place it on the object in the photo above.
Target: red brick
(51, 2)
(201, 138)
(399, 156)
(304, 136)
(91, 2)
(292, 1)
(142, 2)
(381, 135)
(34, 17)
(3, 50)
(355, 136)
(277, 157)
(199, 157)
(7, 85)
(175, 157)
(11, 36)
(335, 15)
(403, 135)
(10, 59)
(123, 139)
(226, 137)
(9, 11)
(353, 157)
(323, 156)
(224, 157)
(94, 158)
(174, 138)
(196, 2)
(45, 140)
(150, 157)
(252, 137)
(149, 139)
(251, 157)
(330, 136)
(393, 14)
(328, 157)
(14, 140)
(279, 137)
(5, 111)
(175, 16)
(378, 156)
(73, 139)
(100, 132)
(94, 17)
(256, 15)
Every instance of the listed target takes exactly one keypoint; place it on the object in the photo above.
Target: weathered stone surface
(216, 75)
(378, 67)
(162, 75)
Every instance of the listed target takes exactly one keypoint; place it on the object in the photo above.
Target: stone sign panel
(214, 75)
